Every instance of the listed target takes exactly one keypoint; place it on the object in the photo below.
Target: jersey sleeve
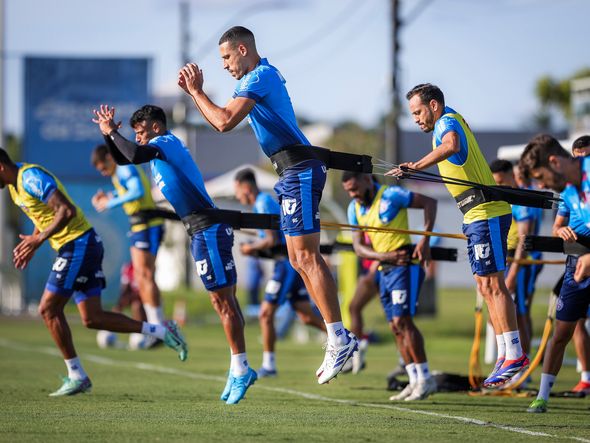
(38, 184)
(351, 212)
(448, 124)
(256, 85)
(523, 213)
(393, 199)
(562, 209)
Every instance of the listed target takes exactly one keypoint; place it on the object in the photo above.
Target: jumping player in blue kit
(180, 180)
(546, 161)
(262, 98)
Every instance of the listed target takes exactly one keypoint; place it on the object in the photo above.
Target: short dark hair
(581, 142)
(537, 152)
(427, 92)
(245, 175)
(349, 175)
(501, 165)
(148, 112)
(5, 158)
(237, 34)
(99, 154)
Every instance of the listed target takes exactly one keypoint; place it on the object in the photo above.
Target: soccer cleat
(225, 394)
(422, 390)
(72, 387)
(152, 343)
(498, 365)
(538, 406)
(175, 340)
(358, 359)
(405, 393)
(508, 370)
(263, 372)
(582, 386)
(239, 386)
(336, 357)
(347, 368)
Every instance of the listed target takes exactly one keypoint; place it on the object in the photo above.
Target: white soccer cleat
(422, 390)
(335, 358)
(358, 358)
(405, 393)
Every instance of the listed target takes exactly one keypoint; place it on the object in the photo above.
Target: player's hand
(105, 119)
(190, 78)
(567, 234)
(100, 201)
(422, 252)
(397, 172)
(397, 258)
(511, 282)
(582, 268)
(246, 248)
(24, 251)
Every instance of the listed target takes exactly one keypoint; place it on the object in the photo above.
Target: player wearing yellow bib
(486, 225)
(77, 268)
(132, 192)
(401, 273)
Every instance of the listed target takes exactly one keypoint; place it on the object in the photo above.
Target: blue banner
(60, 94)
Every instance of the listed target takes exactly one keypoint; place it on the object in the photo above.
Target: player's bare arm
(397, 258)
(63, 211)
(524, 228)
(450, 145)
(268, 241)
(222, 119)
(562, 230)
(429, 205)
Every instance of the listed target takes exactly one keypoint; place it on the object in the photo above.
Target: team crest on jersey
(289, 205)
(481, 251)
(201, 266)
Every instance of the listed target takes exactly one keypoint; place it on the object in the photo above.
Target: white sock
(513, 346)
(75, 369)
(268, 360)
(412, 373)
(154, 314)
(239, 364)
(423, 371)
(337, 335)
(585, 376)
(501, 346)
(547, 381)
(153, 330)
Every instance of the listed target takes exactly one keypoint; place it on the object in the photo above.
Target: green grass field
(152, 396)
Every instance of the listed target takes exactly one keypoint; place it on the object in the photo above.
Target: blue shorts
(285, 284)
(78, 268)
(300, 190)
(526, 280)
(148, 239)
(399, 289)
(211, 249)
(574, 298)
(486, 244)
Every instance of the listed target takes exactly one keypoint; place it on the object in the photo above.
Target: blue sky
(335, 54)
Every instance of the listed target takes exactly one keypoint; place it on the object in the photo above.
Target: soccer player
(581, 146)
(77, 268)
(401, 266)
(486, 224)
(285, 284)
(545, 160)
(262, 98)
(179, 179)
(520, 279)
(133, 194)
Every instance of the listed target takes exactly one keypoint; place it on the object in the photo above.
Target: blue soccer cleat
(72, 387)
(263, 372)
(239, 386)
(505, 373)
(225, 394)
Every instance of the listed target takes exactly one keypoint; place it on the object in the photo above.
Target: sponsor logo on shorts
(399, 296)
(230, 266)
(141, 244)
(229, 231)
(59, 264)
(201, 266)
(289, 205)
(482, 251)
(82, 279)
(559, 306)
(99, 274)
(272, 287)
(324, 169)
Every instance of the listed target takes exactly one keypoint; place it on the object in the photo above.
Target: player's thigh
(486, 244)
(144, 262)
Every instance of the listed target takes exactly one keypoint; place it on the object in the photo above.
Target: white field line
(196, 376)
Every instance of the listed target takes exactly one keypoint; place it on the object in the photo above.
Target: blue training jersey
(272, 118)
(265, 204)
(576, 202)
(394, 199)
(178, 176)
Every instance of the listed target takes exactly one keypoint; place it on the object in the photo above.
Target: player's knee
(91, 321)
(47, 310)
(402, 324)
(266, 316)
(294, 263)
(306, 260)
